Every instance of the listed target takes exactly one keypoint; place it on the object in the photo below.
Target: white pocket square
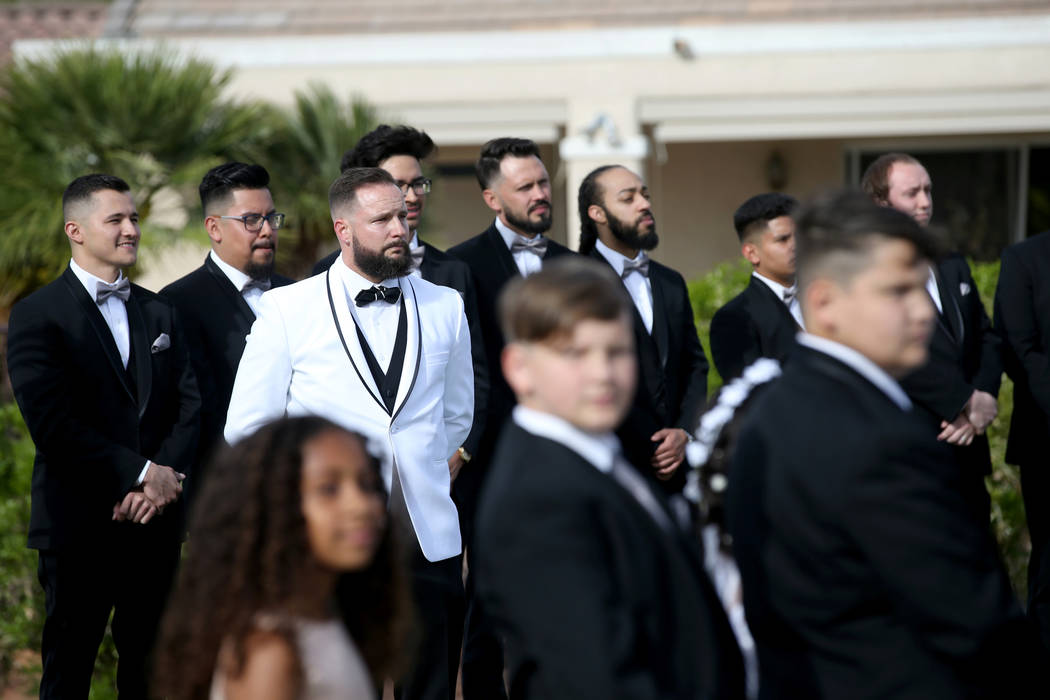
(163, 342)
(964, 288)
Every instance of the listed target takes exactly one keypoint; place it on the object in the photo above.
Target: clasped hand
(161, 487)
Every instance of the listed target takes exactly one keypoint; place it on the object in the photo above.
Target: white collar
(598, 449)
(414, 243)
(865, 367)
(616, 259)
(777, 287)
(89, 280)
(236, 277)
(354, 283)
(507, 233)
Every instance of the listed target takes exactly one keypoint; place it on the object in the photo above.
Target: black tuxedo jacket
(93, 423)
(672, 368)
(492, 266)
(215, 320)
(1022, 318)
(864, 573)
(965, 354)
(593, 598)
(443, 269)
(753, 324)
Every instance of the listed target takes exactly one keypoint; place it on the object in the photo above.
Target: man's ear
(750, 252)
(343, 231)
(211, 226)
(490, 200)
(74, 232)
(516, 369)
(597, 214)
(819, 306)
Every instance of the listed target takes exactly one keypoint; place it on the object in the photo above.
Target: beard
(631, 235)
(527, 225)
(261, 271)
(380, 266)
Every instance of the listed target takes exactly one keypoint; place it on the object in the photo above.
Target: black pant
(1035, 490)
(126, 572)
(482, 650)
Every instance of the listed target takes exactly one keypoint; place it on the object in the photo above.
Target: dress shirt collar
(89, 280)
(615, 259)
(507, 233)
(598, 449)
(777, 288)
(236, 277)
(354, 283)
(865, 367)
(414, 243)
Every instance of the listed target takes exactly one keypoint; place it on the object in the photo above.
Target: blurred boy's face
(587, 378)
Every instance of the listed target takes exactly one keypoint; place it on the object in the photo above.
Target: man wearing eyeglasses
(216, 302)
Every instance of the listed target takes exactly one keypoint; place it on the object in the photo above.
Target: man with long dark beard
(617, 226)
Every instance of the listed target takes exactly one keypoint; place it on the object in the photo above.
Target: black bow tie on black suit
(388, 294)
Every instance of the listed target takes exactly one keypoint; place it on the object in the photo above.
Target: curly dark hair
(247, 550)
(385, 141)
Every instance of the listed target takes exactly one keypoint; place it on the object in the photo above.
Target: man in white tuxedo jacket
(320, 347)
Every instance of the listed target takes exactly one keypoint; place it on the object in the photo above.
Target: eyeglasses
(420, 186)
(253, 222)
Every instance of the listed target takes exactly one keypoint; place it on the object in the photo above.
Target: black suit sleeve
(40, 381)
(939, 386)
(178, 450)
(1017, 317)
(694, 365)
(734, 341)
(581, 641)
(481, 373)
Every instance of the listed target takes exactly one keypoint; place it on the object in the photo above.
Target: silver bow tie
(262, 285)
(104, 290)
(417, 256)
(536, 246)
(640, 265)
(790, 293)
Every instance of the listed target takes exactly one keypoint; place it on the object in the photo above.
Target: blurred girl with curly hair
(291, 587)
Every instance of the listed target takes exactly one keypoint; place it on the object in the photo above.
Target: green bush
(714, 289)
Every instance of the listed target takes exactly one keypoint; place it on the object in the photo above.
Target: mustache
(269, 245)
(541, 203)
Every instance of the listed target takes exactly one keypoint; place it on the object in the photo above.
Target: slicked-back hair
(547, 305)
(493, 153)
(219, 183)
(755, 214)
(835, 232)
(343, 191)
(876, 179)
(385, 141)
(83, 187)
(591, 192)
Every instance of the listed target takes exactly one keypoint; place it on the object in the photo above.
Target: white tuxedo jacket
(295, 363)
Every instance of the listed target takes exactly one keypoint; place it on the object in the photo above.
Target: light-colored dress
(333, 669)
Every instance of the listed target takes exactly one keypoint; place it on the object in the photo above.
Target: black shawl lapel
(142, 350)
(660, 329)
(230, 293)
(502, 252)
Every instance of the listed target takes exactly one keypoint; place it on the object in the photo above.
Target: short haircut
(876, 179)
(547, 305)
(219, 182)
(493, 153)
(755, 214)
(385, 141)
(84, 187)
(343, 191)
(591, 192)
(835, 232)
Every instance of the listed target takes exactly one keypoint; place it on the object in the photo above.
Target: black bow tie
(261, 285)
(388, 294)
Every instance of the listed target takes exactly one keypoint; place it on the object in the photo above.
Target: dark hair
(876, 179)
(550, 303)
(493, 153)
(385, 141)
(82, 189)
(758, 211)
(836, 230)
(220, 181)
(344, 189)
(247, 542)
(590, 193)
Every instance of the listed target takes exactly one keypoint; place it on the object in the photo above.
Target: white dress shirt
(378, 320)
(239, 280)
(413, 245)
(638, 285)
(865, 367)
(934, 292)
(793, 306)
(115, 313)
(527, 262)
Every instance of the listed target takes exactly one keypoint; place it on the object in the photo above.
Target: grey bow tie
(537, 245)
(104, 290)
(417, 256)
(262, 285)
(641, 265)
(790, 293)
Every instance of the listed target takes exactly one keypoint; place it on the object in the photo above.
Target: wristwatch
(464, 455)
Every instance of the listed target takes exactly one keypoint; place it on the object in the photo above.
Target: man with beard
(217, 302)
(378, 351)
(617, 226)
(763, 319)
(514, 184)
